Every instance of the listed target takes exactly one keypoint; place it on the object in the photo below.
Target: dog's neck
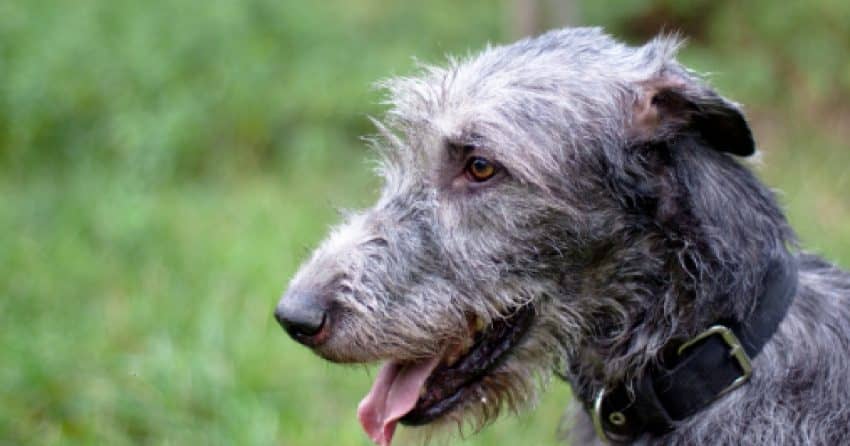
(689, 271)
(699, 370)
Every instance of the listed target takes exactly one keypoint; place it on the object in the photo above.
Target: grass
(143, 315)
(164, 168)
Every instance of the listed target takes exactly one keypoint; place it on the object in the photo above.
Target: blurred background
(165, 166)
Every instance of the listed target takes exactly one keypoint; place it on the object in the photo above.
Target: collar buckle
(599, 426)
(736, 350)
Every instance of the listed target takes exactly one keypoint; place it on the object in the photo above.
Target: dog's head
(529, 200)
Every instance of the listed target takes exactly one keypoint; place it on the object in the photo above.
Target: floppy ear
(672, 104)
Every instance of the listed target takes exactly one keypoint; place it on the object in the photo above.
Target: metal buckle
(596, 416)
(736, 350)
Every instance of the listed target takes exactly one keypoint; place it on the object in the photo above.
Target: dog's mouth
(417, 393)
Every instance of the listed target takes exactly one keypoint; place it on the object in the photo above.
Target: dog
(571, 206)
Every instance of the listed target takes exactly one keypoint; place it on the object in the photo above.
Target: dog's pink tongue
(393, 394)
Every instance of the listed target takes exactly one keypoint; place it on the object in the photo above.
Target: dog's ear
(670, 105)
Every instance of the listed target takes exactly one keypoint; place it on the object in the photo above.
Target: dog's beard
(511, 386)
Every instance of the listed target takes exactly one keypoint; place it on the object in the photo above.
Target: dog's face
(473, 274)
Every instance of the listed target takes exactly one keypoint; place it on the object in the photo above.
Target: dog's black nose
(303, 315)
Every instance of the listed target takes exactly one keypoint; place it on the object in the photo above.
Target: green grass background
(166, 165)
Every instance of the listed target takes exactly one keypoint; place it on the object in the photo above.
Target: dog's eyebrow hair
(460, 147)
(467, 141)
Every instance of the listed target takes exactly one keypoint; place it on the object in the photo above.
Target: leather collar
(706, 367)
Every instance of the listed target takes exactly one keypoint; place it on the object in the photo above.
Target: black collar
(707, 367)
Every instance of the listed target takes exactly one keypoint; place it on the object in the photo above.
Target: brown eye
(479, 169)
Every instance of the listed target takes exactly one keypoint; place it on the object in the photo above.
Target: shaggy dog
(570, 205)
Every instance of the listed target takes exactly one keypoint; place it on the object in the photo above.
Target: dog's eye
(479, 169)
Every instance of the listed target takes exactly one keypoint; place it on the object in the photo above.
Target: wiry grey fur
(623, 230)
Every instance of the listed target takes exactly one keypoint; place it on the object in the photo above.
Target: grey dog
(571, 206)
